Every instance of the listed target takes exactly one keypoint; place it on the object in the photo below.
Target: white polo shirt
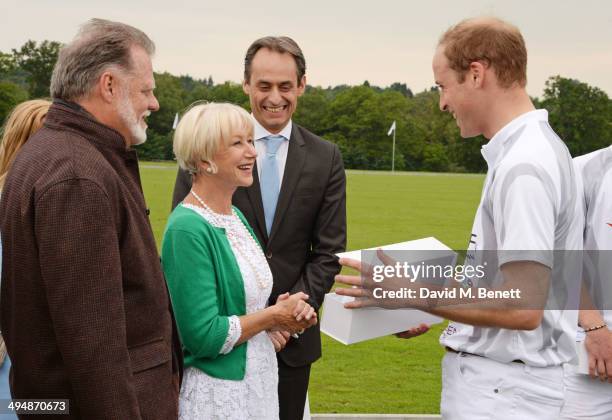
(595, 172)
(528, 206)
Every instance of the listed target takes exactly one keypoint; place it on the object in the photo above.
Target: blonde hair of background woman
(25, 119)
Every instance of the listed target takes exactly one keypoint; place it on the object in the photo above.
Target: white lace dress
(256, 396)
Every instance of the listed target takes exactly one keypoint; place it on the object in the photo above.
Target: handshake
(292, 315)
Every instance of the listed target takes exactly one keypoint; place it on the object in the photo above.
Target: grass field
(386, 375)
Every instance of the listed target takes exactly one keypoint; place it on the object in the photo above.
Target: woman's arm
(187, 264)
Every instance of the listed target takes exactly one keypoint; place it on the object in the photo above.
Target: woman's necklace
(239, 245)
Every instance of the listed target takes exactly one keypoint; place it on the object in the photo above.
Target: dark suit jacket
(85, 310)
(309, 227)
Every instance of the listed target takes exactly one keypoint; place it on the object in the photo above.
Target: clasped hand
(293, 313)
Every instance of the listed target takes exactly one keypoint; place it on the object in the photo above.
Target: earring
(209, 170)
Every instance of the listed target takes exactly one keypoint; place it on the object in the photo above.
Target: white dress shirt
(260, 146)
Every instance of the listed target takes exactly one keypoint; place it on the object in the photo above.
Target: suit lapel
(254, 194)
(296, 156)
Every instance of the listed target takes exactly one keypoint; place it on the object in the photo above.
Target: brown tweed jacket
(85, 309)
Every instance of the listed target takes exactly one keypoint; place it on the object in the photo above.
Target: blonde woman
(25, 119)
(219, 279)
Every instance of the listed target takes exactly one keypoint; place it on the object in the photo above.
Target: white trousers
(478, 388)
(585, 397)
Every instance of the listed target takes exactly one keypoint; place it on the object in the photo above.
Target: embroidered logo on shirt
(450, 330)
(610, 224)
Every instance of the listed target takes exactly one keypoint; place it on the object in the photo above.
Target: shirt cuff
(233, 335)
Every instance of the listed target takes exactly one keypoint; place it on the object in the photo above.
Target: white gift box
(350, 326)
(424, 244)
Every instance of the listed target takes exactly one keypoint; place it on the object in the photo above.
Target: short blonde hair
(492, 41)
(25, 119)
(202, 130)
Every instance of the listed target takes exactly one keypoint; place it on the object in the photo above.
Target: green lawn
(386, 375)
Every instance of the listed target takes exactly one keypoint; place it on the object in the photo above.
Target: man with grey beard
(85, 310)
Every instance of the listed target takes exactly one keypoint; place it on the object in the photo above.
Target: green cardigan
(206, 287)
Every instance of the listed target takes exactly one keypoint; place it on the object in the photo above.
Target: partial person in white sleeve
(591, 397)
(219, 278)
(505, 363)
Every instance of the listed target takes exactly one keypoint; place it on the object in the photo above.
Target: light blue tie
(270, 179)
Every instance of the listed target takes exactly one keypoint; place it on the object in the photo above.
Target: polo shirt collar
(494, 149)
(261, 132)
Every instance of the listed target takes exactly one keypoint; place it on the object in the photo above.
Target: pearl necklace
(261, 274)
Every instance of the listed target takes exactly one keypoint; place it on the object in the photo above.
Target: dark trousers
(292, 387)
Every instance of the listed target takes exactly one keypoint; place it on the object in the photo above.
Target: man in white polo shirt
(586, 397)
(506, 363)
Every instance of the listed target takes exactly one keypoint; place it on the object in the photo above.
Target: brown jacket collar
(71, 116)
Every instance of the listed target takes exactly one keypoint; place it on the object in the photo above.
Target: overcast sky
(382, 41)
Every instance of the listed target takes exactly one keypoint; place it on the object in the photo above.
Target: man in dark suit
(85, 311)
(296, 205)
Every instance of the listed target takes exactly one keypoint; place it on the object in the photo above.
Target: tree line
(356, 118)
